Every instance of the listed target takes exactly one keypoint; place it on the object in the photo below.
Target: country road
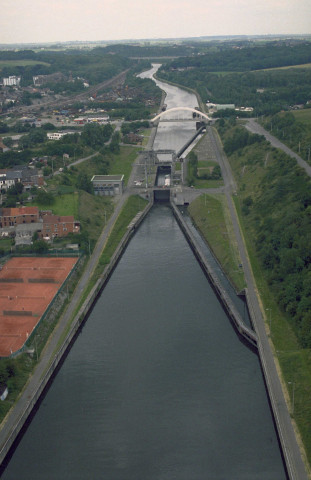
(254, 127)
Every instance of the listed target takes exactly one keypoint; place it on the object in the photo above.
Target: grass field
(211, 216)
(133, 205)
(123, 162)
(66, 204)
(94, 211)
(20, 63)
(303, 116)
(304, 65)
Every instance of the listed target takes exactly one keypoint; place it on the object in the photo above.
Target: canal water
(158, 386)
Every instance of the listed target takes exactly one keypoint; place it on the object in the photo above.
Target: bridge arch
(178, 109)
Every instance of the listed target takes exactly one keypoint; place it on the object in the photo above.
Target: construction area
(27, 287)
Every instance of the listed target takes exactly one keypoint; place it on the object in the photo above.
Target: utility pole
(146, 173)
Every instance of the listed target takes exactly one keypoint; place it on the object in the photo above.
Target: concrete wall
(234, 315)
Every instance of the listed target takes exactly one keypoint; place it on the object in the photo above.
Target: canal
(158, 385)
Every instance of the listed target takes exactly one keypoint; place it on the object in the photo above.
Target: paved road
(254, 127)
(288, 439)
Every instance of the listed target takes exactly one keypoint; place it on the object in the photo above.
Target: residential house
(27, 176)
(11, 217)
(58, 226)
(3, 148)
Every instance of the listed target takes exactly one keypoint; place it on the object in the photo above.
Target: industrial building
(108, 185)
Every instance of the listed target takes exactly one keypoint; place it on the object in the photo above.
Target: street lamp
(293, 398)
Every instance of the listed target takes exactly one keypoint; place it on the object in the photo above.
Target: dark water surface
(158, 385)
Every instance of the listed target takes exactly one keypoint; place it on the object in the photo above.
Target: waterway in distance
(158, 385)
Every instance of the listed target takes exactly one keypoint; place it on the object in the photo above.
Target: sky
(40, 21)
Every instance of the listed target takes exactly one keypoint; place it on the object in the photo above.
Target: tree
(45, 198)
(95, 135)
(3, 127)
(84, 183)
(8, 142)
(114, 144)
(40, 246)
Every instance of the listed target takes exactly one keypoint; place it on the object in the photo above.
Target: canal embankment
(289, 446)
(225, 299)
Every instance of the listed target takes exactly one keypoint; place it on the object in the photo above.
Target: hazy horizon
(36, 21)
(159, 39)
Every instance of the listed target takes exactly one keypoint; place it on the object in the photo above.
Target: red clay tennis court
(27, 286)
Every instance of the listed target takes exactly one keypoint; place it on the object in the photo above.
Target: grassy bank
(133, 205)
(211, 216)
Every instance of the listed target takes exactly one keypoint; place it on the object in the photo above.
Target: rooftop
(107, 178)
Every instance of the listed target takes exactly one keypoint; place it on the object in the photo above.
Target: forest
(247, 57)
(94, 66)
(233, 76)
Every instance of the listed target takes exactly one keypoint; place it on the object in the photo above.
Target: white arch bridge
(182, 114)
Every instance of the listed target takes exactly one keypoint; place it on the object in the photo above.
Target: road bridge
(182, 114)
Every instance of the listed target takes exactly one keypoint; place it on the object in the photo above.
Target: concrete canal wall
(234, 315)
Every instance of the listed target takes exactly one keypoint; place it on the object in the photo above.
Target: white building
(58, 135)
(11, 81)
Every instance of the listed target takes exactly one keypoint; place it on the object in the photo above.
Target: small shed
(108, 185)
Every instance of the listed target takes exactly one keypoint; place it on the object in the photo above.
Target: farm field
(21, 63)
